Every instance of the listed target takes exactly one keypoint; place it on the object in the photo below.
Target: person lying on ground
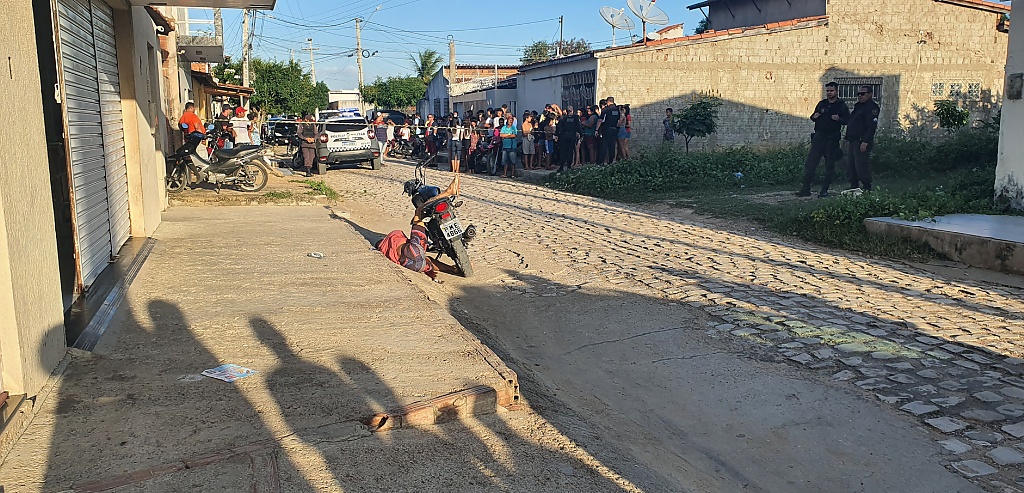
(411, 251)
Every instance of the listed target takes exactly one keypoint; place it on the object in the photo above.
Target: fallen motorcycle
(445, 233)
(239, 166)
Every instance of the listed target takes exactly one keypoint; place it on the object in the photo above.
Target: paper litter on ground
(229, 372)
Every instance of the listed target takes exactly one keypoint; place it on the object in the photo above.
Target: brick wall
(770, 79)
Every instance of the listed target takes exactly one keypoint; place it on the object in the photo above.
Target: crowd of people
(497, 141)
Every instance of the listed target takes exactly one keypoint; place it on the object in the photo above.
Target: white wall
(543, 85)
(1010, 172)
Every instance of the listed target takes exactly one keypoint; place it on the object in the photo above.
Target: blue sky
(403, 27)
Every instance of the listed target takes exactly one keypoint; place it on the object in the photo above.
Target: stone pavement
(336, 341)
(942, 351)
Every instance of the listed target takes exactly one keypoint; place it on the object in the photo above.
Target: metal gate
(95, 133)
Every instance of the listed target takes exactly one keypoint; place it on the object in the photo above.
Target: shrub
(840, 222)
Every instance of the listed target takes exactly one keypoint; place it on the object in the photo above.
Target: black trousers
(858, 167)
(609, 141)
(566, 151)
(822, 146)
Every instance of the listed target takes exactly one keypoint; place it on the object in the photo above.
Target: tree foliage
(951, 116)
(279, 87)
(425, 64)
(702, 26)
(698, 119)
(542, 51)
(394, 92)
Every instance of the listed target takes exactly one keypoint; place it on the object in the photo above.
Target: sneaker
(823, 195)
(854, 192)
(308, 174)
(803, 193)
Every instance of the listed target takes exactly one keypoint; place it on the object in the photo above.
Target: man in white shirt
(242, 127)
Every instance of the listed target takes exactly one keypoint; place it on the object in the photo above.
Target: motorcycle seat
(234, 151)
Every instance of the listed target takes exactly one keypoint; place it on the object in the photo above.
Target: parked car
(346, 140)
(281, 130)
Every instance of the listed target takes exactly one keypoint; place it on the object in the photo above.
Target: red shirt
(409, 252)
(191, 120)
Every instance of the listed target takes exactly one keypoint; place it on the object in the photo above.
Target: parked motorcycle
(444, 231)
(401, 149)
(237, 166)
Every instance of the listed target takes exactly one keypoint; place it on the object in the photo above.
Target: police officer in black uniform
(567, 133)
(860, 133)
(829, 117)
(609, 126)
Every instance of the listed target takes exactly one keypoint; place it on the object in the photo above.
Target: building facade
(440, 91)
(770, 74)
(88, 80)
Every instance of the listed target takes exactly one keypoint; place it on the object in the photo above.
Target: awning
(215, 88)
(224, 4)
(701, 5)
(161, 22)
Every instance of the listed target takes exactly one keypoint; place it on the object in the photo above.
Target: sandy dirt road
(710, 359)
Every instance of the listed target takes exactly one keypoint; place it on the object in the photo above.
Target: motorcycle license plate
(451, 229)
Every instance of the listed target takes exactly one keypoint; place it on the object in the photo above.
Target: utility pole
(359, 52)
(312, 67)
(245, 55)
(558, 49)
(452, 79)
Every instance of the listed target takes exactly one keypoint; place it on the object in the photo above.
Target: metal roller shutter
(95, 132)
(113, 125)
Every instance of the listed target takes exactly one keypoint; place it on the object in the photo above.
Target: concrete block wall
(915, 44)
(769, 81)
(768, 85)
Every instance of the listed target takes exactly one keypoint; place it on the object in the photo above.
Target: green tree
(394, 92)
(698, 119)
(703, 26)
(951, 116)
(538, 51)
(542, 51)
(279, 87)
(425, 64)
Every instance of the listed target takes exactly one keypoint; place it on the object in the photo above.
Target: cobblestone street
(944, 352)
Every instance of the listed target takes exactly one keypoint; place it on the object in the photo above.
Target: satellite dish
(653, 36)
(648, 12)
(618, 19)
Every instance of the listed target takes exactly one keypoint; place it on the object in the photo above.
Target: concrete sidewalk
(346, 347)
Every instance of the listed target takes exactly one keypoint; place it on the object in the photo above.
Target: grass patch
(915, 180)
(279, 195)
(319, 187)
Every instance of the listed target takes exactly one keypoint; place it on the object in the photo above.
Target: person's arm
(817, 112)
(844, 114)
(870, 126)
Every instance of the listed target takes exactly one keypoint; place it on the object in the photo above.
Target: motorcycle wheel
(177, 179)
(256, 177)
(461, 257)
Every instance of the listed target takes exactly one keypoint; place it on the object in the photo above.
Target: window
(437, 108)
(956, 91)
(578, 89)
(848, 87)
(974, 91)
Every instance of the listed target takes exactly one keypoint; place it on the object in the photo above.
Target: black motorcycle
(401, 149)
(239, 166)
(445, 234)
